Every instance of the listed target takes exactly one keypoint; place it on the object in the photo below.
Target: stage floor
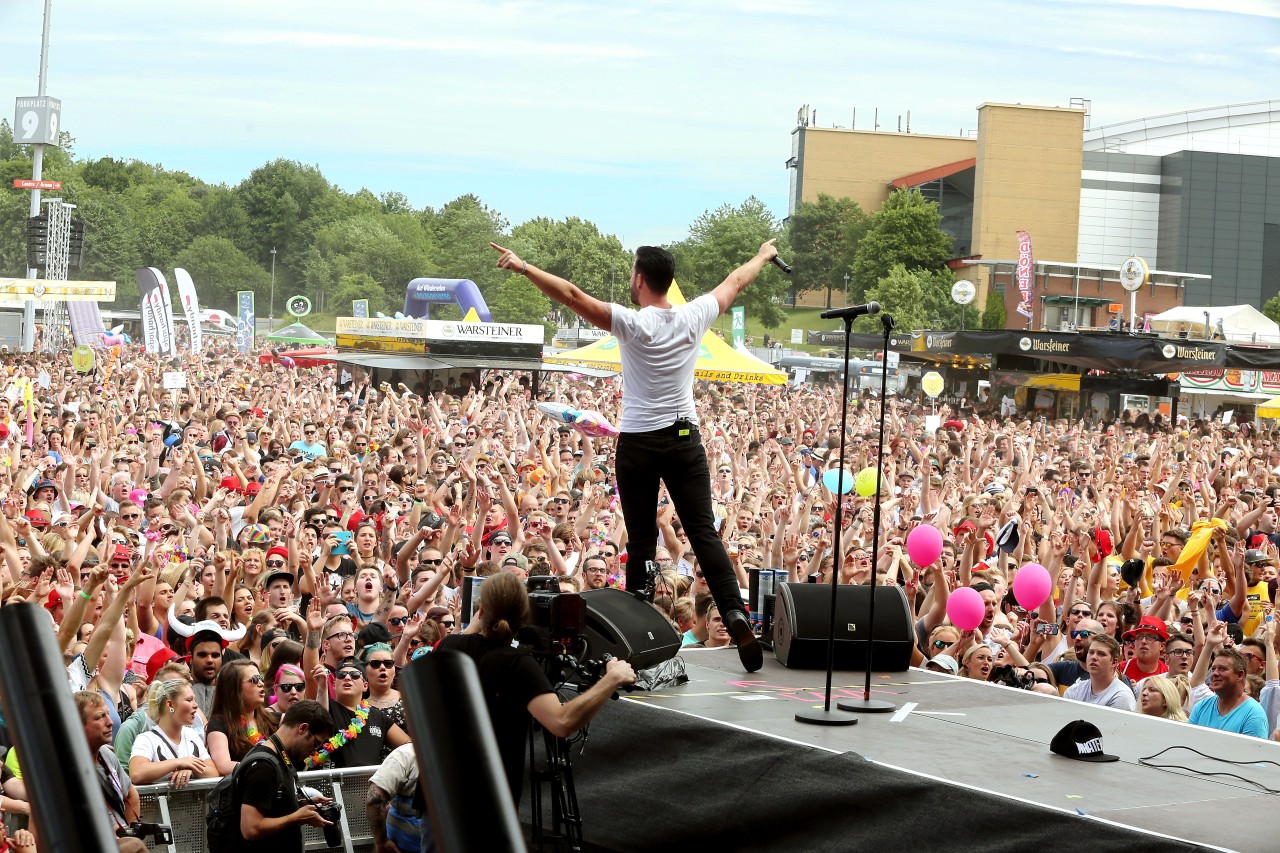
(996, 739)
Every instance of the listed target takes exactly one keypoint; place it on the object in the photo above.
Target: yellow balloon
(865, 483)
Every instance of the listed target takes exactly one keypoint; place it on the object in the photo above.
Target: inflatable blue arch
(423, 292)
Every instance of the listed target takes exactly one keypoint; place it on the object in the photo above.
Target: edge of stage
(995, 739)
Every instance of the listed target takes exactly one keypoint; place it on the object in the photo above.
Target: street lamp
(271, 320)
(846, 289)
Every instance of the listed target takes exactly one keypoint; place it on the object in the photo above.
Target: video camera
(556, 634)
(159, 833)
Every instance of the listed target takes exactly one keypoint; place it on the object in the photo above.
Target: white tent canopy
(1233, 322)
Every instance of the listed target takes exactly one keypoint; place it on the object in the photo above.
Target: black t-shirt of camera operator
(511, 679)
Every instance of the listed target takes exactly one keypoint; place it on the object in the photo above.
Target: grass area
(796, 318)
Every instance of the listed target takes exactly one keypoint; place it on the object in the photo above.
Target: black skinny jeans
(644, 458)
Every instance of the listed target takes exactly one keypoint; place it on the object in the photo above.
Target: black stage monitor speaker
(629, 629)
(803, 611)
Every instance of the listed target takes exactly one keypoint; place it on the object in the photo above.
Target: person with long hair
(171, 750)
(250, 645)
(380, 666)
(514, 683)
(240, 718)
(1160, 698)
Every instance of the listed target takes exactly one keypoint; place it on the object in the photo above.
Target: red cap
(279, 551)
(121, 552)
(38, 517)
(252, 487)
(157, 660)
(354, 522)
(54, 600)
(1149, 625)
(4, 432)
(1103, 540)
(256, 412)
(231, 484)
(955, 425)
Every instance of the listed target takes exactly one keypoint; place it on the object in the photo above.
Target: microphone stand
(866, 703)
(826, 716)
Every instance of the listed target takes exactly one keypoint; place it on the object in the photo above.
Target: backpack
(222, 805)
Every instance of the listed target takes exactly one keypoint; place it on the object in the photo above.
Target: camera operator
(270, 816)
(121, 796)
(515, 686)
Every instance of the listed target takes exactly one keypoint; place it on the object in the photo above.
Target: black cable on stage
(1146, 762)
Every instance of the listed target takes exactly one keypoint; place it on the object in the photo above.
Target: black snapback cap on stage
(1080, 740)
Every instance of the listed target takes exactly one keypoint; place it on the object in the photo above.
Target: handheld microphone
(852, 311)
(781, 264)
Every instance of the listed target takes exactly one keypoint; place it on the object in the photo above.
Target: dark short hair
(657, 266)
(312, 713)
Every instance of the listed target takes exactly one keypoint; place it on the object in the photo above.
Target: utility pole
(37, 170)
(271, 319)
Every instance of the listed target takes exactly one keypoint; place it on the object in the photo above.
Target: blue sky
(638, 116)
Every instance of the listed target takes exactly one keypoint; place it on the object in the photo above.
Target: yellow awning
(717, 360)
(1056, 381)
(1269, 409)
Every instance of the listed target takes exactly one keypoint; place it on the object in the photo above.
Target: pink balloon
(1032, 585)
(965, 608)
(924, 545)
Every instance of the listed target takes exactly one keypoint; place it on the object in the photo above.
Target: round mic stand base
(865, 706)
(821, 717)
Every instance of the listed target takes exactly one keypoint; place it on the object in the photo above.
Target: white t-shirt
(1116, 695)
(398, 773)
(659, 350)
(154, 745)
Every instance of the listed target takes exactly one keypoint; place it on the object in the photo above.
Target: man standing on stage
(659, 438)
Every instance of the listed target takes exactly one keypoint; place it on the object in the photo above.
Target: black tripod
(556, 772)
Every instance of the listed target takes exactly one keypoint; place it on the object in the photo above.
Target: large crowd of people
(255, 557)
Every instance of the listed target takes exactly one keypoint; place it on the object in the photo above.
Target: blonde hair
(1174, 692)
(162, 692)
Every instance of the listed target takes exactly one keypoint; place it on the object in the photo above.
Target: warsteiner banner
(190, 306)
(157, 329)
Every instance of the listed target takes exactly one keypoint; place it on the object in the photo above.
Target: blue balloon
(831, 479)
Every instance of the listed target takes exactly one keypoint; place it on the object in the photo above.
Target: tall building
(1195, 194)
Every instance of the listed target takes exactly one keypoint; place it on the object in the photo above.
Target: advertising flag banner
(244, 312)
(156, 331)
(739, 316)
(168, 315)
(1025, 273)
(190, 306)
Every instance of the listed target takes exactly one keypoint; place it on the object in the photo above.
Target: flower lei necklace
(333, 744)
(251, 732)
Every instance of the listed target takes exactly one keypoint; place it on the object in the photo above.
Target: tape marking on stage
(902, 713)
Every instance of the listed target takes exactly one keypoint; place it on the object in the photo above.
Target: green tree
(902, 293)
(357, 286)
(219, 269)
(574, 249)
(993, 316)
(462, 231)
(719, 242)
(824, 237)
(518, 300)
(1272, 308)
(903, 231)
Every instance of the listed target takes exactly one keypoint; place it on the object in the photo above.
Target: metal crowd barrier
(183, 809)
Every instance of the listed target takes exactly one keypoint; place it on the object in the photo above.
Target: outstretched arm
(587, 307)
(728, 290)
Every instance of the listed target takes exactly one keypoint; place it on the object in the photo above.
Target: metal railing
(183, 809)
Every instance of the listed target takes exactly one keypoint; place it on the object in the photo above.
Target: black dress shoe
(749, 651)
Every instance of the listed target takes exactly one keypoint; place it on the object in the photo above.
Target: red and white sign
(1025, 273)
(28, 184)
